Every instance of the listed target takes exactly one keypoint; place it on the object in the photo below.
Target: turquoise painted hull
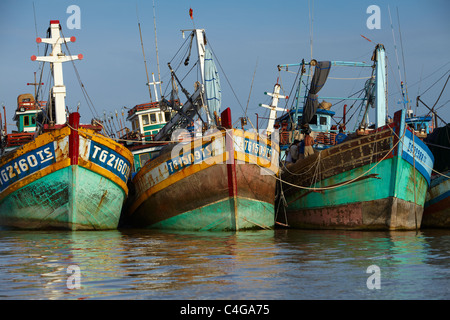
(220, 216)
(387, 202)
(382, 187)
(370, 182)
(72, 198)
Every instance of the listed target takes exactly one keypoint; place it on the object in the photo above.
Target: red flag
(190, 13)
(365, 38)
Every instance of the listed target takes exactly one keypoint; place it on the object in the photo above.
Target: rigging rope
(83, 89)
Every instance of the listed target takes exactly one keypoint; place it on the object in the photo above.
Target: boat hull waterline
(373, 182)
(199, 186)
(68, 178)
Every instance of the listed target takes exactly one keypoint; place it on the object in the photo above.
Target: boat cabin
(26, 113)
(25, 117)
(147, 119)
(322, 130)
(422, 126)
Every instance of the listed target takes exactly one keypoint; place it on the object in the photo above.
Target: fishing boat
(376, 178)
(146, 120)
(210, 176)
(60, 174)
(437, 205)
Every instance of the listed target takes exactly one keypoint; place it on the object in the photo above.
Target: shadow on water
(270, 264)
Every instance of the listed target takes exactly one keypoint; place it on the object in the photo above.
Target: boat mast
(302, 71)
(273, 106)
(199, 33)
(192, 106)
(381, 87)
(56, 58)
(201, 42)
(145, 62)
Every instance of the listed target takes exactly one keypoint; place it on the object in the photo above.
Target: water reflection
(188, 263)
(34, 263)
(273, 264)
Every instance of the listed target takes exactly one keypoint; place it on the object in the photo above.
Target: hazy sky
(249, 38)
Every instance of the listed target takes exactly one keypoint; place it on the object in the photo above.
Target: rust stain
(101, 201)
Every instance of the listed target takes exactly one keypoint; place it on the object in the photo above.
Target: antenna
(156, 46)
(311, 22)
(35, 28)
(403, 59)
(251, 87)
(35, 84)
(398, 63)
(143, 53)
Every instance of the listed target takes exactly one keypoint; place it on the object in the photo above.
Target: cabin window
(167, 115)
(26, 121)
(143, 158)
(153, 117)
(33, 120)
(145, 119)
(323, 120)
(421, 126)
(313, 120)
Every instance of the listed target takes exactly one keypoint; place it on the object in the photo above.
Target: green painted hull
(392, 200)
(72, 198)
(220, 216)
(385, 185)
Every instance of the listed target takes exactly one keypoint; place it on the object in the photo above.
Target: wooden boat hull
(72, 198)
(370, 182)
(368, 204)
(215, 193)
(437, 206)
(62, 180)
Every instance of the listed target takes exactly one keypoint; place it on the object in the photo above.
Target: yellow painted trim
(56, 135)
(183, 173)
(255, 137)
(40, 141)
(236, 132)
(252, 159)
(91, 135)
(194, 168)
(35, 176)
(103, 172)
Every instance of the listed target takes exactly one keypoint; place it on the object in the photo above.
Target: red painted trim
(91, 127)
(48, 127)
(74, 138)
(397, 122)
(226, 119)
(231, 165)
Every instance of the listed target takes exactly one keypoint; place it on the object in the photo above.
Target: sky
(248, 38)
